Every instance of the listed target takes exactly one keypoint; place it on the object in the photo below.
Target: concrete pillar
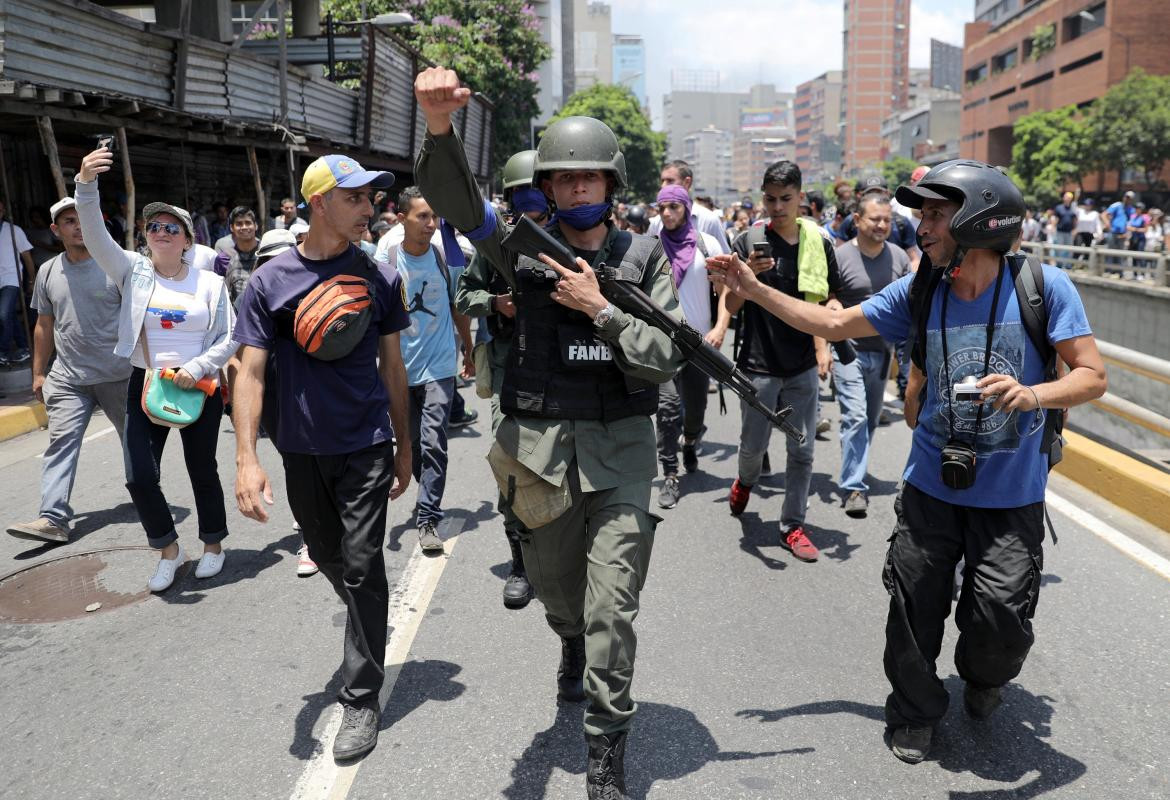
(306, 21)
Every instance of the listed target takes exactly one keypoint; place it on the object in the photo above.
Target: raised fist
(440, 95)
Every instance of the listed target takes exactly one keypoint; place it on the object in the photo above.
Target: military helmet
(580, 143)
(637, 217)
(991, 208)
(518, 171)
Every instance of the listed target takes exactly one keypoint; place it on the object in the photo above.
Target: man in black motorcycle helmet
(985, 325)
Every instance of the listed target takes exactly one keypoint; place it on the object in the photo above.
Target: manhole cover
(62, 588)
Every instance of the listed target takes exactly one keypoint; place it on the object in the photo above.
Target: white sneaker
(209, 565)
(305, 565)
(164, 573)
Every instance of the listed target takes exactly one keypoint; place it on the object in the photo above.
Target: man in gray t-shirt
(866, 265)
(78, 320)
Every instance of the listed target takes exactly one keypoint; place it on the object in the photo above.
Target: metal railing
(1102, 261)
(1147, 366)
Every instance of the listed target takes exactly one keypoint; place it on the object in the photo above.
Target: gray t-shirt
(862, 277)
(84, 304)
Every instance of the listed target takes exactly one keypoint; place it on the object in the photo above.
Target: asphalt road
(759, 676)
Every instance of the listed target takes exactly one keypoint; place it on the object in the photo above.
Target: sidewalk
(20, 413)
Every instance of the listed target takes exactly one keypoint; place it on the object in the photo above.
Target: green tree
(896, 170)
(1130, 125)
(643, 148)
(494, 45)
(1051, 149)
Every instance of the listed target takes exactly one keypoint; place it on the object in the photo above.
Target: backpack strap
(922, 289)
(446, 273)
(702, 245)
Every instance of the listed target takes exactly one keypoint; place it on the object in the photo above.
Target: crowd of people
(344, 340)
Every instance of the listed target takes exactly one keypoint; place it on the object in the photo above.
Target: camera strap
(986, 351)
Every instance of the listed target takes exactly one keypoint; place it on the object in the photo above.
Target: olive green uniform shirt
(608, 454)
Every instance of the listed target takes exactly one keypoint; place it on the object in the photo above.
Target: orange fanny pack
(332, 318)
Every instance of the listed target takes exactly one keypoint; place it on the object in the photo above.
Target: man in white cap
(77, 307)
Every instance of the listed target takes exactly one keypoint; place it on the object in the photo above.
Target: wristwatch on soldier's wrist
(604, 315)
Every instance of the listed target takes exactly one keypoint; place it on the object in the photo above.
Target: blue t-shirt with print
(1119, 216)
(428, 343)
(1010, 469)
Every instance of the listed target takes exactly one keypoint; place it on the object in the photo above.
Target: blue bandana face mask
(582, 217)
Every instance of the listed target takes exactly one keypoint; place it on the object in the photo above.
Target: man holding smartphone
(783, 362)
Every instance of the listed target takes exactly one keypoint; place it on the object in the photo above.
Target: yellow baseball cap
(329, 172)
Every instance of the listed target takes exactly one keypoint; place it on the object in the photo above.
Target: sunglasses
(171, 228)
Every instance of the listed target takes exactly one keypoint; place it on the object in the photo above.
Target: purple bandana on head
(678, 244)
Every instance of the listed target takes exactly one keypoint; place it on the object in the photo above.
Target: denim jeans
(682, 405)
(430, 409)
(69, 408)
(1061, 257)
(860, 385)
(142, 448)
(340, 502)
(13, 336)
(800, 392)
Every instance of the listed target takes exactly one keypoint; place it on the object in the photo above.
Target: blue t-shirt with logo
(1119, 216)
(428, 343)
(322, 407)
(1010, 469)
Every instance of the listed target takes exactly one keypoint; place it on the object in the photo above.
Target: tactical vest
(558, 368)
(499, 326)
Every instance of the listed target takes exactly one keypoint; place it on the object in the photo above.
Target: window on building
(1005, 60)
(1082, 22)
(977, 73)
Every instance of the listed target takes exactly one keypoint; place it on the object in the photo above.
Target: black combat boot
(571, 675)
(605, 778)
(517, 589)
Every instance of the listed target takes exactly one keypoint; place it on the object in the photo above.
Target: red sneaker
(798, 544)
(738, 499)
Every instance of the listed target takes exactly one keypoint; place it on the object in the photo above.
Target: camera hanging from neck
(986, 351)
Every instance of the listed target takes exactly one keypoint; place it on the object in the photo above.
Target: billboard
(756, 119)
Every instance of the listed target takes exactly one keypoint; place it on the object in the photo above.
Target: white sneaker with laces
(305, 565)
(164, 573)
(210, 564)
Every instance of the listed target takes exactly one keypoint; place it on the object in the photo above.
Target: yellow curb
(22, 419)
(1123, 481)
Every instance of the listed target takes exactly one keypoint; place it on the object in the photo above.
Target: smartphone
(108, 140)
(762, 249)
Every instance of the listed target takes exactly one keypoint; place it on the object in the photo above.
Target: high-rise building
(550, 74)
(761, 107)
(629, 65)
(592, 44)
(817, 108)
(946, 66)
(709, 153)
(751, 154)
(1010, 69)
(876, 73)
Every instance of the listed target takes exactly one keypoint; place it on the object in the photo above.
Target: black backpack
(1028, 277)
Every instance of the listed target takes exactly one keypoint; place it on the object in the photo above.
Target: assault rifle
(528, 238)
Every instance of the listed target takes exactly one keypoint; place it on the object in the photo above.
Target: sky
(784, 42)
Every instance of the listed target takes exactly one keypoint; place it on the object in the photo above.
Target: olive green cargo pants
(588, 568)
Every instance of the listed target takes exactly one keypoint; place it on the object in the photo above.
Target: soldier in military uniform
(575, 452)
(482, 292)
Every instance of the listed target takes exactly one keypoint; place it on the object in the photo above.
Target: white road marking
(89, 438)
(1138, 552)
(323, 778)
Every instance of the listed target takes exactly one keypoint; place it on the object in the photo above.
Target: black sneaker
(668, 496)
(470, 415)
(981, 703)
(911, 744)
(358, 734)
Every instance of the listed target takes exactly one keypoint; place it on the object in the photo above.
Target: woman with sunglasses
(171, 316)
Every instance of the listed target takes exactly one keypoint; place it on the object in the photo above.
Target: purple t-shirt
(324, 407)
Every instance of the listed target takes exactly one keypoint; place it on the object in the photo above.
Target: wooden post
(129, 183)
(280, 38)
(261, 200)
(182, 51)
(49, 145)
(293, 190)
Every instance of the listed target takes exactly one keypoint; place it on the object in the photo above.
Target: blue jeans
(69, 408)
(430, 409)
(860, 385)
(142, 448)
(12, 332)
(1061, 257)
(800, 392)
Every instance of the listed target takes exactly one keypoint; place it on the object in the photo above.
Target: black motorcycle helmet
(991, 208)
(636, 217)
